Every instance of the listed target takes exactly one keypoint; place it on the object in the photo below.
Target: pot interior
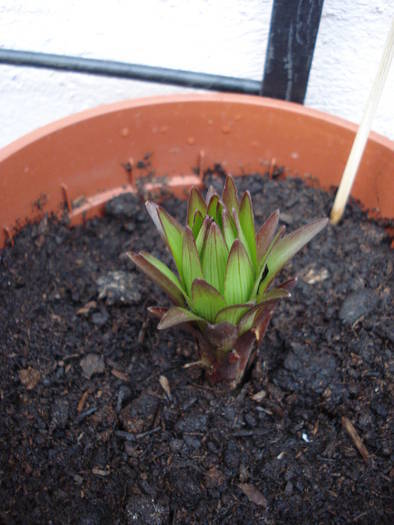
(80, 162)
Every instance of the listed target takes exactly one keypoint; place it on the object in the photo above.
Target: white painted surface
(215, 36)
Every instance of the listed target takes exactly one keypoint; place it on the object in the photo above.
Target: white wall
(227, 37)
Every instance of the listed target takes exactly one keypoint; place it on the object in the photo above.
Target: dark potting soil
(101, 424)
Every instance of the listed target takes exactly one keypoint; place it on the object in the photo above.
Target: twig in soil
(349, 427)
(128, 436)
(200, 363)
(142, 332)
(165, 385)
(243, 433)
(82, 401)
(85, 414)
(120, 375)
(148, 432)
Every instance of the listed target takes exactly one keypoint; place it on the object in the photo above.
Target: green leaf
(261, 281)
(213, 207)
(230, 195)
(202, 234)
(239, 275)
(246, 219)
(242, 237)
(177, 315)
(265, 235)
(173, 232)
(228, 228)
(191, 265)
(232, 314)
(271, 297)
(288, 246)
(195, 203)
(160, 274)
(214, 257)
(197, 223)
(210, 193)
(206, 300)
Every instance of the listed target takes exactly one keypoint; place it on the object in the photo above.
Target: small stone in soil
(92, 364)
(100, 318)
(357, 305)
(143, 510)
(60, 413)
(124, 395)
(93, 513)
(232, 456)
(123, 207)
(139, 414)
(193, 423)
(119, 288)
(29, 377)
(306, 369)
(187, 484)
(253, 494)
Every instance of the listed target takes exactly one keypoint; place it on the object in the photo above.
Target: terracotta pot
(81, 161)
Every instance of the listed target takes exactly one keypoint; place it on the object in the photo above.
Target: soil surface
(102, 424)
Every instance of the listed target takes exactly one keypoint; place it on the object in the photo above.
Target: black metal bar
(111, 68)
(292, 38)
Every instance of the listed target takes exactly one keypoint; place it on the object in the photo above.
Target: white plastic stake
(361, 138)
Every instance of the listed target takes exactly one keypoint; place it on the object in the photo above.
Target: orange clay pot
(81, 161)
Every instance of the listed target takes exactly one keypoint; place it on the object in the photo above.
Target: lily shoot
(223, 289)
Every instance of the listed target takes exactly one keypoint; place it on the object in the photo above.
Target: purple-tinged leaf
(202, 234)
(266, 234)
(230, 194)
(232, 314)
(246, 219)
(157, 311)
(195, 203)
(262, 320)
(176, 315)
(191, 265)
(152, 209)
(246, 322)
(214, 257)
(239, 277)
(273, 294)
(160, 274)
(289, 284)
(288, 246)
(173, 232)
(222, 336)
(197, 223)
(206, 300)
(228, 228)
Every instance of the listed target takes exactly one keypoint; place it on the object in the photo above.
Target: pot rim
(103, 109)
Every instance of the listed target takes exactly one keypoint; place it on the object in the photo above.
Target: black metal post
(292, 38)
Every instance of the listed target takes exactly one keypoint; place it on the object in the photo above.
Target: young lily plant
(223, 290)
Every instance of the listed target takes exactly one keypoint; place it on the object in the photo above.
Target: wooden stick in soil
(350, 429)
(361, 138)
